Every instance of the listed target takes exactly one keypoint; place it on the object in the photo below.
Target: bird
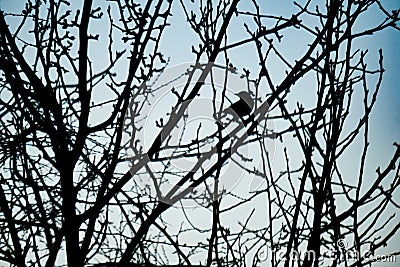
(242, 107)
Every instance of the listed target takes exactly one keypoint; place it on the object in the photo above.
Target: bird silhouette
(241, 108)
(244, 105)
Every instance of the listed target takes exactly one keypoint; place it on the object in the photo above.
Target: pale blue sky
(385, 120)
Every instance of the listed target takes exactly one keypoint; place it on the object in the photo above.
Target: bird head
(245, 96)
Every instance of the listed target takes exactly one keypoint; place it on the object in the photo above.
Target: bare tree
(106, 155)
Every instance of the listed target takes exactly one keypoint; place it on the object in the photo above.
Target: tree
(79, 84)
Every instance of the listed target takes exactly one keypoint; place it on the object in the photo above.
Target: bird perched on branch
(242, 107)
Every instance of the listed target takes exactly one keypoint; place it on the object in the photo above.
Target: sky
(386, 117)
(385, 121)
